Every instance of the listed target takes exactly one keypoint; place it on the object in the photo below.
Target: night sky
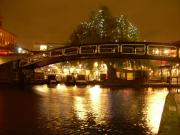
(54, 20)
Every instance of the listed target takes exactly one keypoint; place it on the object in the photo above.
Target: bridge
(23, 69)
(121, 50)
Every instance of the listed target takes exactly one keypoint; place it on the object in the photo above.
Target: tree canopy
(102, 27)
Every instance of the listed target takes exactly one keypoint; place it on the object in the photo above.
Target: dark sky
(54, 20)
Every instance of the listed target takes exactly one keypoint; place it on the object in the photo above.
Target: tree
(80, 35)
(102, 27)
(101, 24)
(124, 30)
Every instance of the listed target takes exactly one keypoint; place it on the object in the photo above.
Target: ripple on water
(89, 110)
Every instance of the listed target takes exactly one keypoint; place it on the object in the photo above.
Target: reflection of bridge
(129, 50)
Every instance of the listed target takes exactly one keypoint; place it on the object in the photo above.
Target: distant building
(6, 38)
(43, 46)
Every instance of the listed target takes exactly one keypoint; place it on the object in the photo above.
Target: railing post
(119, 49)
(146, 48)
(98, 48)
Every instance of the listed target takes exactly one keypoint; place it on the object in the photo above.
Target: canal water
(90, 110)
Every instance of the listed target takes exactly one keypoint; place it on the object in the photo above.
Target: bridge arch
(120, 50)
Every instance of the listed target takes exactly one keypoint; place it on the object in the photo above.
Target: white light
(104, 66)
(19, 50)
(72, 69)
(43, 47)
(44, 55)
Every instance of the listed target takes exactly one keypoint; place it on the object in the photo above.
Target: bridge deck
(129, 50)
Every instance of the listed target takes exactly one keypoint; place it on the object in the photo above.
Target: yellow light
(104, 66)
(61, 87)
(177, 72)
(97, 72)
(156, 51)
(155, 105)
(97, 102)
(87, 72)
(72, 69)
(80, 107)
(66, 71)
(95, 91)
(166, 51)
(44, 55)
(78, 70)
(74, 87)
(42, 89)
(95, 64)
(130, 76)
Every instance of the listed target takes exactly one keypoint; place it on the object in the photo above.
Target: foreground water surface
(60, 109)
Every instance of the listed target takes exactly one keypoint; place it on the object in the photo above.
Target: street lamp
(19, 50)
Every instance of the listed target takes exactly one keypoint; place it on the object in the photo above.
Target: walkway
(170, 122)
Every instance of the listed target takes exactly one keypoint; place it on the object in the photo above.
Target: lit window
(43, 47)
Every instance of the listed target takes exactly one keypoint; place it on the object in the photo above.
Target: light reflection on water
(80, 107)
(96, 110)
(154, 108)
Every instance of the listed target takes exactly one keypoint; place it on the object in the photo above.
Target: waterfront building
(6, 38)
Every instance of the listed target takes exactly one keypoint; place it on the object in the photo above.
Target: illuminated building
(6, 38)
(44, 46)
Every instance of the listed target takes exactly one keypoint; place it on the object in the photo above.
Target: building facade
(6, 38)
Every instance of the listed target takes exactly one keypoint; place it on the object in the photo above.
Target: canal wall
(170, 121)
(8, 72)
(11, 57)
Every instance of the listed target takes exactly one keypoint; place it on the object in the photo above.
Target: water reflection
(99, 103)
(42, 89)
(80, 108)
(155, 104)
(92, 103)
(95, 102)
(97, 110)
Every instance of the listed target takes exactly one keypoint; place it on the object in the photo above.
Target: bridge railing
(56, 53)
(108, 48)
(89, 49)
(142, 48)
(71, 51)
(137, 49)
(161, 50)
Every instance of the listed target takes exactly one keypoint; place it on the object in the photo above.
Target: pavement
(170, 121)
